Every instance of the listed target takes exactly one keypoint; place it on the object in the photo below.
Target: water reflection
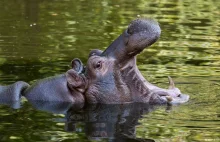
(11, 104)
(39, 38)
(100, 121)
(112, 122)
(32, 10)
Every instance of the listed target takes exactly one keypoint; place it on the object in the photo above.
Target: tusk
(169, 98)
(172, 85)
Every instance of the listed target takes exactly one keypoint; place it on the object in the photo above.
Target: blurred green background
(39, 38)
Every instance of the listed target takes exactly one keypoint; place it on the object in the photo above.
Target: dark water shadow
(101, 121)
(112, 122)
(11, 104)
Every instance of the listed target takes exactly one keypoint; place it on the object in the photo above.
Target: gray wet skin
(109, 77)
(112, 76)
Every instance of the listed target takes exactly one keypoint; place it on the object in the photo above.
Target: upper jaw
(143, 33)
(140, 34)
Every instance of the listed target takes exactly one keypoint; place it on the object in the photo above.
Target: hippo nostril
(129, 31)
(179, 95)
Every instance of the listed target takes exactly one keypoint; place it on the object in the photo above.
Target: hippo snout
(182, 98)
(141, 33)
(144, 25)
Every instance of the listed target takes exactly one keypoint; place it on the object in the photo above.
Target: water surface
(39, 38)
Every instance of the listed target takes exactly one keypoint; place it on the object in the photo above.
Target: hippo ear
(77, 65)
(96, 52)
(75, 81)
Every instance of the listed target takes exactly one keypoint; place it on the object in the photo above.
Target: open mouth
(140, 34)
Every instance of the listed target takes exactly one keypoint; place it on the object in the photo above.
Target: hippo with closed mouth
(109, 77)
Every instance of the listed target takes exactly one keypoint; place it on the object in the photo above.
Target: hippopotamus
(109, 77)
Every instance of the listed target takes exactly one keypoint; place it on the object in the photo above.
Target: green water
(39, 38)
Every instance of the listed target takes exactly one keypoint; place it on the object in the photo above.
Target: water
(39, 38)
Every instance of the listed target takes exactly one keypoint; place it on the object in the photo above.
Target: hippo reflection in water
(109, 77)
(116, 122)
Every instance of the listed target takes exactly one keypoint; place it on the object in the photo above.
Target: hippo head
(112, 76)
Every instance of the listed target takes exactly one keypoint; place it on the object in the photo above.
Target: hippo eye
(98, 65)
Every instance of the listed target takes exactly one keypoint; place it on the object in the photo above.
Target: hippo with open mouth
(109, 77)
(112, 76)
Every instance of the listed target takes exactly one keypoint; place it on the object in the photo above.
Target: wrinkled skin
(109, 77)
(112, 76)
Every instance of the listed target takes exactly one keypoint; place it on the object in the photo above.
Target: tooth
(169, 98)
(171, 82)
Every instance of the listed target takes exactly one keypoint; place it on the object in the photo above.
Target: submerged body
(46, 89)
(109, 77)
